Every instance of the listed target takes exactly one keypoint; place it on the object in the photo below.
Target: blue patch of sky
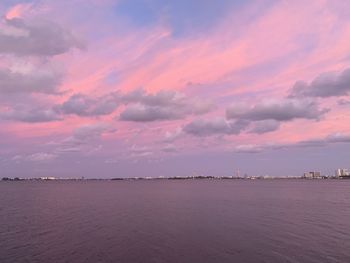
(184, 16)
(112, 78)
(9, 3)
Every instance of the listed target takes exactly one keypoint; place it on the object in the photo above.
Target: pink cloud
(18, 10)
(263, 58)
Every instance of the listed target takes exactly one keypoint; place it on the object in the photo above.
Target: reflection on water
(175, 221)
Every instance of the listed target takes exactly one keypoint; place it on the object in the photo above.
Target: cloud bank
(324, 86)
(35, 38)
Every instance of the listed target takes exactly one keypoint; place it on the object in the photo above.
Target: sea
(175, 221)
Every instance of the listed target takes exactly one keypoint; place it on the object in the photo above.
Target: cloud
(258, 148)
(321, 142)
(343, 102)
(83, 105)
(35, 115)
(164, 105)
(36, 37)
(173, 136)
(83, 138)
(325, 85)
(90, 131)
(334, 138)
(169, 148)
(35, 157)
(161, 98)
(18, 10)
(309, 143)
(30, 41)
(167, 98)
(265, 126)
(23, 77)
(78, 104)
(41, 157)
(248, 148)
(140, 106)
(263, 117)
(338, 137)
(142, 113)
(278, 110)
(136, 151)
(215, 126)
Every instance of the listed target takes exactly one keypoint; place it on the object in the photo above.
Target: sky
(136, 88)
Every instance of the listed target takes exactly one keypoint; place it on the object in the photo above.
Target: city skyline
(106, 88)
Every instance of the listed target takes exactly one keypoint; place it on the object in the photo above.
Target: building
(342, 173)
(47, 178)
(307, 175)
(312, 175)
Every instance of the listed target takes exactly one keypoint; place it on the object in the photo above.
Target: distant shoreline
(7, 179)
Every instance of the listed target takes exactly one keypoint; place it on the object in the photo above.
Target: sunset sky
(121, 88)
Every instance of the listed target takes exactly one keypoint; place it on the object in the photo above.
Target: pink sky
(131, 87)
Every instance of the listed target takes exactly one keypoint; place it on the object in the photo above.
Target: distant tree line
(11, 179)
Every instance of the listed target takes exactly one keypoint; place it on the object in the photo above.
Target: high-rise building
(307, 175)
(342, 172)
(317, 174)
(312, 175)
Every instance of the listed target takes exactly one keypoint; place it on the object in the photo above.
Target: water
(175, 221)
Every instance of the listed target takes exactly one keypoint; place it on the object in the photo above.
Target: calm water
(175, 221)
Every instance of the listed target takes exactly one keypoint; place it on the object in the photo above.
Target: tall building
(312, 175)
(342, 172)
(307, 175)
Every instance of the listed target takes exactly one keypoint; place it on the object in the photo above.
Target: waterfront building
(47, 178)
(307, 175)
(312, 175)
(342, 172)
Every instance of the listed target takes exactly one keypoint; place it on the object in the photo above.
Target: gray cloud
(263, 117)
(162, 98)
(35, 157)
(140, 151)
(39, 38)
(81, 141)
(248, 148)
(169, 148)
(256, 148)
(142, 113)
(325, 85)
(334, 138)
(202, 127)
(83, 105)
(343, 102)
(278, 110)
(140, 106)
(309, 143)
(265, 126)
(82, 138)
(41, 157)
(164, 105)
(91, 131)
(29, 80)
(337, 137)
(35, 115)
(171, 136)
